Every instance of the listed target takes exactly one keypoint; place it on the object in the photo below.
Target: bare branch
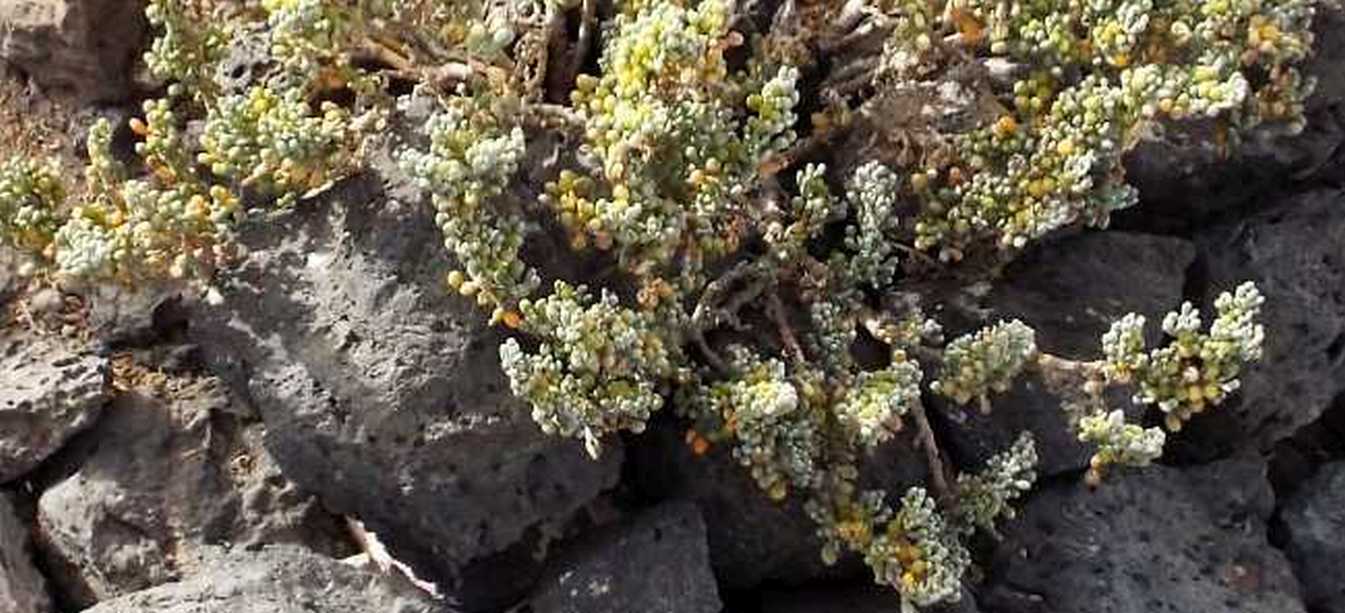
(925, 438)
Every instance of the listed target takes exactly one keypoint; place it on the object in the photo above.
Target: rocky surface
(22, 588)
(84, 49)
(1159, 539)
(868, 598)
(50, 390)
(277, 579)
(753, 539)
(1070, 291)
(1292, 251)
(656, 562)
(1314, 523)
(382, 393)
(161, 479)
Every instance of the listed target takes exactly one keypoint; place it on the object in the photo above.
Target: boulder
(158, 481)
(1314, 524)
(50, 390)
(381, 390)
(1070, 291)
(1153, 539)
(84, 49)
(1291, 250)
(276, 579)
(656, 562)
(21, 585)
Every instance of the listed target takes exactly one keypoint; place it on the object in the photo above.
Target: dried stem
(937, 477)
(776, 309)
(585, 41)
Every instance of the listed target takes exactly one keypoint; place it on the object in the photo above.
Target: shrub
(752, 254)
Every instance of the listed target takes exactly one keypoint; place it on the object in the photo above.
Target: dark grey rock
(9, 275)
(1292, 252)
(657, 562)
(1328, 54)
(752, 538)
(80, 48)
(50, 390)
(245, 62)
(276, 579)
(1314, 522)
(1147, 540)
(143, 315)
(158, 481)
(865, 599)
(22, 587)
(381, 392)
(1070, 291)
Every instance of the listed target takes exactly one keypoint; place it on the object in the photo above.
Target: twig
(924, 258)
(926, 439)
(853, 78)
(585, 40)
(377, 554)
(449, 74)
(709, 311)
(851, 36)
(546, 115)
(378, 51)
(776, 309)
(851, 14)
(716, 362)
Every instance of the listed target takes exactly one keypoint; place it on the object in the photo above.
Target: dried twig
(776, 309)
(585, 41)
(717, 306)
(937, 477)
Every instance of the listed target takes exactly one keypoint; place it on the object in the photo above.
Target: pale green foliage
(1090, 78)
(177, 220)
(187, 47)
(770, 128)
(1195, 370)
(468, 168)
(149, 232)
(597, 370)
(1119, 442)
(169, 224)
(274, 142)
(811, 209)
(832, 334)
(677, 141)
(986, 361)
(775, 424)
(872, 407)
(848, 520)
(873, 196)
(303, 32)
(919, 553)
(917, 549)
(987, 496)
(30, 194)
